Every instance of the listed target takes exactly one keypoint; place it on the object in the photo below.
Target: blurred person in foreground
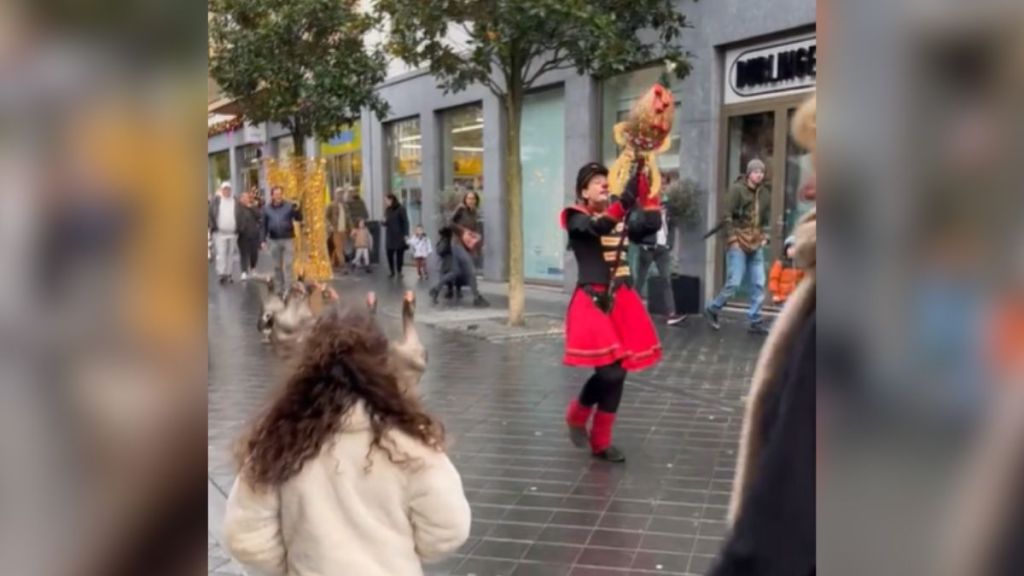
(249, 224)
(337, 229)
(225, 216)
(345, 473)
(747, 217)
(279, 219)
(772, 510)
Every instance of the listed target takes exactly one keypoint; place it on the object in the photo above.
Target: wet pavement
(540, 507)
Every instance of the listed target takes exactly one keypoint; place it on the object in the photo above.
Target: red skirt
(593, 338)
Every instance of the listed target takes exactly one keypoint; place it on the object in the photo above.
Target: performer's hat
(587, 173)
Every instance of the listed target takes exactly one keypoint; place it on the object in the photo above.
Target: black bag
(686, 291)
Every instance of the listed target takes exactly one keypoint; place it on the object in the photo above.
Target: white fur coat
(335, 517)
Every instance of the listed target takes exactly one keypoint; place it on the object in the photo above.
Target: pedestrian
(422, 248)
(747, 216)
(362, 240)
(345, 473)
(249, 234)
(466, 241)
(279, 219)
(396, 234)
(656, 249)
(785, 275)
(606, 326)
(337, 228)
(772, 506)
(356, 209)
(444, 258)
(224, 217)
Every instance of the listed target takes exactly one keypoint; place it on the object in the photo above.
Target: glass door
(750, 137)
(752, 131)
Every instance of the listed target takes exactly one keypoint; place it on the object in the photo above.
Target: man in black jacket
(657, 249)
(279, 218)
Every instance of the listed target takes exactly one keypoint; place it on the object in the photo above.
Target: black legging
(604, 388)
(395, 260)
(248, 252)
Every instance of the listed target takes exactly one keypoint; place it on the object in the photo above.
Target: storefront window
(404, 141)
(285, 147)
(219, 170)
(344, 160)
(542, 146)
(248, 168)
(463, 155)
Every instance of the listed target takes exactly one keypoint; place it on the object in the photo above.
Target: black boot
(480, 302)
(611, 454)
(435, 292)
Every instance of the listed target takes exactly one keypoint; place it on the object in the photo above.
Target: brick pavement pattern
(540, 507)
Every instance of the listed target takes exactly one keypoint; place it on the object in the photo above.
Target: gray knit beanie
(755, 165)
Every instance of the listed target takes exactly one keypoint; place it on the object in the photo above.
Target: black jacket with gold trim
(594, 239)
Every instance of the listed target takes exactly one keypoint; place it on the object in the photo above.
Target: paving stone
(540, 506)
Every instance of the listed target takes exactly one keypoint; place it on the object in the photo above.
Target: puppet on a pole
(642, 136)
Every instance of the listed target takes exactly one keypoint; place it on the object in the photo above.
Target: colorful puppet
(642, 136)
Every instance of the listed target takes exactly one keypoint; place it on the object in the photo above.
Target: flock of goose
(285, 321)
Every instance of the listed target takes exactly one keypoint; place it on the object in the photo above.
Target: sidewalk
(540, 507)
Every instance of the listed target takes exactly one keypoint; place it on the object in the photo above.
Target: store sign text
(777, 68)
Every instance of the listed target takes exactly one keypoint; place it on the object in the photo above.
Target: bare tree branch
(559, 63)
(493, 87)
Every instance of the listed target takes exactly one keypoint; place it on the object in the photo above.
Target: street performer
(606, 326)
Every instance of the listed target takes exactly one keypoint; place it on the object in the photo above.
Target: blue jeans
(738, 263)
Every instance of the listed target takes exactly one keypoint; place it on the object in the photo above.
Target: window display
(219, 170)
(462, 150)
(343, 156)
(542, 147)
(404, 142)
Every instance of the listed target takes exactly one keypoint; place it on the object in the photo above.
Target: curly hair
(344, 360)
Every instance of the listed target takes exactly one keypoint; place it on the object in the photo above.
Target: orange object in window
(1008, 338)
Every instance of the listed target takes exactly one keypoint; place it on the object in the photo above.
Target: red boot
(601, 438)
(576, 417)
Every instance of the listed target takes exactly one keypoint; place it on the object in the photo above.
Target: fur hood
(771, 362)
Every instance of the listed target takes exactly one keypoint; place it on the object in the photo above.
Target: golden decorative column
(303, 181)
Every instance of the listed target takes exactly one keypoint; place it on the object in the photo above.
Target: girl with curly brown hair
(345, 473)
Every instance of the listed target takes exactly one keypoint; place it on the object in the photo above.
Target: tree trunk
(300, 144)
(514, 191)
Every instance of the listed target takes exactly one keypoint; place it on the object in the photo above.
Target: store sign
(347, 141)
(771, 70)
(255, 133)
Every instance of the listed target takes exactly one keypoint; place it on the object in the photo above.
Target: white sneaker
(245, 276)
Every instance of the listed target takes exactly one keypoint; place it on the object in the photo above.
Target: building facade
(753, 63)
